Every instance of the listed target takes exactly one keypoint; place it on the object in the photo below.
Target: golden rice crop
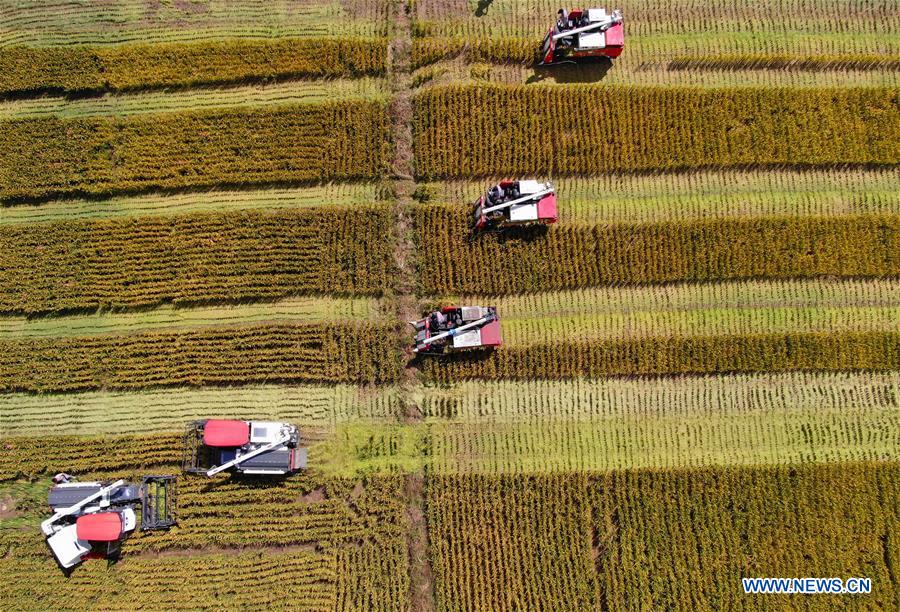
(605, 541)
(876, 351)
(567, 257)
(141, 66)
(327, 353)
(194, 258)
(30, 457)
(505, 50)
(588, 129)
(45, 157)
(203, 581)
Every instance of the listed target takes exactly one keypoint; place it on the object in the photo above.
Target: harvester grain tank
(92, 519)
(515, 202)
(243, 447)
(581, 35)
(457, 328)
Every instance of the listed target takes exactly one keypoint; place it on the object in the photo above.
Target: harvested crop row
(526, 51)
(566, 257)
(774, 437)
(673, 21)
(131, 67)
(145, 411)
(42, 24)
(762, 61)
(49, 157)
(584, 129)
(590, 541)
(708, 397)
(204, 257)
(207, 98)
(336, 195)
(639, 198)
(168, 317)
(301, 353)
(877, 351)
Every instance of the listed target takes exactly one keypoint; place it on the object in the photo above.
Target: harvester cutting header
(582, 35)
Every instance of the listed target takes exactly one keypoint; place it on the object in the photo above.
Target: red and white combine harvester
(520, 202)
(582, 35)
(453, 329)
(245, 447)
(92, 519)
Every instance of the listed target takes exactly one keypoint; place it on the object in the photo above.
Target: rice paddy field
(215, 209)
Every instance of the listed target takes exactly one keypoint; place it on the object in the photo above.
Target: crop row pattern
(141, 66)
(195, 258)
(48, 156)
(566, 257)
(325, 353)
(878, 351)
(584, 129)
(659, 539)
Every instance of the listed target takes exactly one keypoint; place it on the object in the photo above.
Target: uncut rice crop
(140, 66)
(875, 351)
(451, 261)
(47, 157)
(195, 258)
(588, 129)
(604, 540)
(310, 353)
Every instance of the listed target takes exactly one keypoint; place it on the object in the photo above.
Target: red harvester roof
(490, 334)
(226, 433)
(100, 527)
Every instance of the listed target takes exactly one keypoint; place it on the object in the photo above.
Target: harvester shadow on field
(588, 72)
(244, 481)
(483, 6)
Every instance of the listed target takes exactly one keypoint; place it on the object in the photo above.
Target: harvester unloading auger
(92, 519)
(510, 203)
(245, 447)
(453, 329)
(582, 35)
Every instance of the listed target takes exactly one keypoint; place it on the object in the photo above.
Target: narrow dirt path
(421, 586)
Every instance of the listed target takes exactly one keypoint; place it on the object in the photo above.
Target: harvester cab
(582, 35)
(92, 519)
(509, 203)
(453, 329)
(244, 447)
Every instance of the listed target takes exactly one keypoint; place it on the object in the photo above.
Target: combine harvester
(244, 447)
(92, 519)
(510, 203)
(583, 35)
(454, 329)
